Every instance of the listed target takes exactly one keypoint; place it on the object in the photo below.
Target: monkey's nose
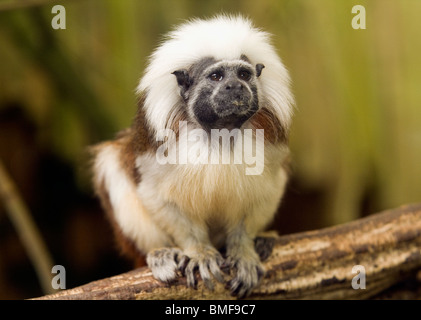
(234, 86)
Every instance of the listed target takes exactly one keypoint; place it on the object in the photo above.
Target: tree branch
(307, 265)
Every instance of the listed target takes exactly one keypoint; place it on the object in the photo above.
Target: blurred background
(355, 140)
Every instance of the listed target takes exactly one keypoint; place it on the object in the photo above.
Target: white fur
(223, 38)
(128, 210)
(218, 196)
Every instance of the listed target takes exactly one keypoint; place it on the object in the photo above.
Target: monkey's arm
(244, 260)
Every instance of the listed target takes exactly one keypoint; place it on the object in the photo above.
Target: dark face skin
(220, 94)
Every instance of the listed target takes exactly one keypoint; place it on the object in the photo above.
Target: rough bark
(308, 265)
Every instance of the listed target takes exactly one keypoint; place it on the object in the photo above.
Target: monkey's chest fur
(218, 195)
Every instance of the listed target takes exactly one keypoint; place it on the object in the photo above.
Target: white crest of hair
(223, 37)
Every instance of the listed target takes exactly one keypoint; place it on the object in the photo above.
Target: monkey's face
(220, 94)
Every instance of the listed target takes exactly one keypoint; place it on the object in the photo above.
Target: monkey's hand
(206, 260)
(243, 261)
(248, 271)
(164, 263)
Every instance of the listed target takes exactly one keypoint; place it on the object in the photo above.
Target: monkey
(198, 218)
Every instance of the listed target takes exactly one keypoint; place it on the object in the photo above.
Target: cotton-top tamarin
(175, 184)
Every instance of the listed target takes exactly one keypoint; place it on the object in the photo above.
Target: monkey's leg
(243, 259)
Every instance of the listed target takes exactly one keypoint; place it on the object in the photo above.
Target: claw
(182, 264)
(190, 275)
(248, 273)
(208, 284)
(225, 268)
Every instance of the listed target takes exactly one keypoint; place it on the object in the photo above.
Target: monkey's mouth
(234, 115)
(238, 103)
(235, 108)
(226, 112)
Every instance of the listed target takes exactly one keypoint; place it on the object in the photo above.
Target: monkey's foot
(164, 263)
(207, 261)
(248, 271)
(264, 246)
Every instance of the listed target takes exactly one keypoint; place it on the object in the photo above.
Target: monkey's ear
(259, 68)
(184, 81)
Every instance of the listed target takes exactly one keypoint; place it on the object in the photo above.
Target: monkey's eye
(216, 76)
(244, 75)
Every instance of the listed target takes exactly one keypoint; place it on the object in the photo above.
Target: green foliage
(357, 127)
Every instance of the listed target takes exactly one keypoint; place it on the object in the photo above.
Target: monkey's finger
(206, 277)
(239, 288)
(205, 273)
(178, 254)
(190, 274)
(219, 260)
(243, 292)
(216, 271)
(182, 264)
(260, 273)
(225, 268)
